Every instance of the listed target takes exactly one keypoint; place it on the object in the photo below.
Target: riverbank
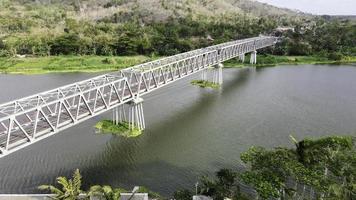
(272, 60)
(50, 64)
(53, 64)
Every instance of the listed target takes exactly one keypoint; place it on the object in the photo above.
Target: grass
(272, 60)
(108, 126)
(49, 64)
(205, 84)
(40, 65)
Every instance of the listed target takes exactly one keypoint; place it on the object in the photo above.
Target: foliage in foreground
(69, 190)
(327, 166)
(105, 191)
(322, 168)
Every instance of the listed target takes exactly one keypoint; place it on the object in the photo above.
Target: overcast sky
(329, 7)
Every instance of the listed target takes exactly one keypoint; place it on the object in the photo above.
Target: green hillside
(162, 27)
(53, 16)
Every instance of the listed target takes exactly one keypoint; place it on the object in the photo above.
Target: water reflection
(190, 131)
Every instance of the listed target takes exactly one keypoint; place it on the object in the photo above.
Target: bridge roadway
(28, 120)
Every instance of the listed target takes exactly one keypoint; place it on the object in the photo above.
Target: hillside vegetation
(162, 27)
(124, 27)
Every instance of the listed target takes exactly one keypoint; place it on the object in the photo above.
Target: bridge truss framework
(28, 120)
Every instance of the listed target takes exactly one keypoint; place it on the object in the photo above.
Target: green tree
(183, 195)
(151, 194)
(225, 185)
(66, 44)
(104, 44)
(269, 171)
(326, 165)
(70, 189)
(334, 158)
(105, 191)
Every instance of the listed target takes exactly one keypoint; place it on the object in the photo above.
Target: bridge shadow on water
(206, 100)
(143, 168)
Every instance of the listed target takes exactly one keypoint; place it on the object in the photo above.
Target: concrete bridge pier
(253, 59)
(242, 58)
(136, 117)
(217, 74)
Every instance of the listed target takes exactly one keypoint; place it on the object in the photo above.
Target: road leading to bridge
(28, 120)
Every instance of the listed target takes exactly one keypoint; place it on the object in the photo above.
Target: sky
(321, 7)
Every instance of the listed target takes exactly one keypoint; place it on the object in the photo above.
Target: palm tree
(105, 191)
(70, 188)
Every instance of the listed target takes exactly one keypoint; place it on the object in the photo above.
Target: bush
(183, 195)
(335, 56)
(66, 44)
(4, 53)
(108, 61)
(266, 60)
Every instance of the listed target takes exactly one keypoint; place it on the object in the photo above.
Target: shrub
(4, 53)
(335, 56)
(66, 44)
(108, 61)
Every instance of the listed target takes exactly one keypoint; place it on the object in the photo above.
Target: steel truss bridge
(28, 120)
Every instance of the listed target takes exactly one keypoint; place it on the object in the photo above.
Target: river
(190, 131)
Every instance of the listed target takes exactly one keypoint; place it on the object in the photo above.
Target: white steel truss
(30, 119)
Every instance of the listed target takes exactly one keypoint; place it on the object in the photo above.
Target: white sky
(329, 7)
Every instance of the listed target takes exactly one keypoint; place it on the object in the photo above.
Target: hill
(163, 27)
(109, 27)
(53, 13)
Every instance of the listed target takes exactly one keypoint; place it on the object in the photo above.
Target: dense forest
(162, 27)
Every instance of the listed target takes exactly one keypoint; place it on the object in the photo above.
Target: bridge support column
(217, 74)
(136, 117)
(119, 115)
(242, 58)
(253, 59)
(204, 74)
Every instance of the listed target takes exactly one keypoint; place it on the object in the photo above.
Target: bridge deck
(30, 119)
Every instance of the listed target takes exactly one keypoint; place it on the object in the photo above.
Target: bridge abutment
(253, 58)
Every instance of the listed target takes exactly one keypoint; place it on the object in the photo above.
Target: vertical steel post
(242, 58)
(204, 75)
(253, 59)
(136, 114)
(217, 74)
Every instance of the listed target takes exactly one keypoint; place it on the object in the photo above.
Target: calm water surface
(190, 131)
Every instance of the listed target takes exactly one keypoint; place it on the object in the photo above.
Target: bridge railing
(144, 80)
